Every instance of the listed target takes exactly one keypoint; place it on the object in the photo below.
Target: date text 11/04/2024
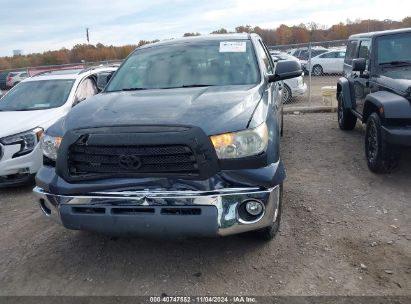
(203, 299)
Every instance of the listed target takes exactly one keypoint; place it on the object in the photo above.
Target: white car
(294, 86)
(331, 62)
(31, 107)
(14, 78)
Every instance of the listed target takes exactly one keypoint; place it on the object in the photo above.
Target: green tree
(191, 34)
(220, 31)
(244, 29)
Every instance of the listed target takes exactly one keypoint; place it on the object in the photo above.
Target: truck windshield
(37, 95)
(394, 49)
(190, 64)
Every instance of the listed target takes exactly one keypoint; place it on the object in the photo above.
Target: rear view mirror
(359, 64)
(286, 69)
(103, 79)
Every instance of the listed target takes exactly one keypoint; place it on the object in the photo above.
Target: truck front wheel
(381, 158)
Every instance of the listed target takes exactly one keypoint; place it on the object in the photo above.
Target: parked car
(291, 87)
(3, 79)
(331, 62)
(14, 78)
(1, 93)
(184, 140)
(376, 89)
(28, 109)
(303, 52)
(305, 56)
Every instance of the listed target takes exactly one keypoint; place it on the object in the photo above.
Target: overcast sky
(41, 25)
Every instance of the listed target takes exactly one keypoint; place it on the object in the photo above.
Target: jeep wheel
(381, 158)
(286, 94)
(317, 70)
(346, 119)
(270, 232)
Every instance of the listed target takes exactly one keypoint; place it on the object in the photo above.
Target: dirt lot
(345, 231)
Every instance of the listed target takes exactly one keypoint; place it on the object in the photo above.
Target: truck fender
(387, 104)
(344, 88)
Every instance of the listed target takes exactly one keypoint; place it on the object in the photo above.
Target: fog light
(254, 207)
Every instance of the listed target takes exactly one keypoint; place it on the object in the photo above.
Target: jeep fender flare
(344, 88)
(387, 104)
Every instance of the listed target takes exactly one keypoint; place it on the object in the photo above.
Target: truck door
(361, 81)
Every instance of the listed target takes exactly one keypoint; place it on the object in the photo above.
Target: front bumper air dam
(160, 213)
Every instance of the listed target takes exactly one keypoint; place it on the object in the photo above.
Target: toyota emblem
(130, 162)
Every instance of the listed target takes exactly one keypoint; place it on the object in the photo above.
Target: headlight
(241, 144)
(27, 140)
(50, 146)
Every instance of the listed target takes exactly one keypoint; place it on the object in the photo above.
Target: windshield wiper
(191, 86)
(396, 63)
(183, 86)
(133, 89)
(127, 89)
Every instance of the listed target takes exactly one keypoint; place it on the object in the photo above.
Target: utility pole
(88, 38)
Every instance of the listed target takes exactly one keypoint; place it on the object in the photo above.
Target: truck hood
(13, 122)
(216, 110)
(398, 80)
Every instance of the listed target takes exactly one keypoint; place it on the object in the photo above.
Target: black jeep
(183, 140)
(376, 88)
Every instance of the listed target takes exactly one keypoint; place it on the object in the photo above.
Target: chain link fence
(322, 63)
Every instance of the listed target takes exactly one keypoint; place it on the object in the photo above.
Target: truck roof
(210, 37)
(380, 33)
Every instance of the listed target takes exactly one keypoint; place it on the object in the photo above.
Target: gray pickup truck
(184, 140)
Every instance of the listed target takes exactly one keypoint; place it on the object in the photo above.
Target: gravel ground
(345, 231)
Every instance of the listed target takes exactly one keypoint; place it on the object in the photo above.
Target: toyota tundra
(183, 140)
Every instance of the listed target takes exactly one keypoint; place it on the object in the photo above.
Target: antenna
(88, 38)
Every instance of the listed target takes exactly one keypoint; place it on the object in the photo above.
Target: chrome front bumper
(203, 213)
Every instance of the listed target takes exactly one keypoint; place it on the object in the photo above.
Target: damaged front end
(157, 180)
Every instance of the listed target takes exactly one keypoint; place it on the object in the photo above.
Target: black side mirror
(286, 69)
(103, 79)
(359, 64)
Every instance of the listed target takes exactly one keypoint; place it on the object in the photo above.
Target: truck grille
(104, 161)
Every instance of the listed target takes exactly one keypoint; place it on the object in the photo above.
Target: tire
(282, 123)
(346, 119)
(270, 232)
(287, 95)
(318, 70)
(381, 158)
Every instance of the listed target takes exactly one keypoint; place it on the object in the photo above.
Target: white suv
(30, 108)
(294, 86)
